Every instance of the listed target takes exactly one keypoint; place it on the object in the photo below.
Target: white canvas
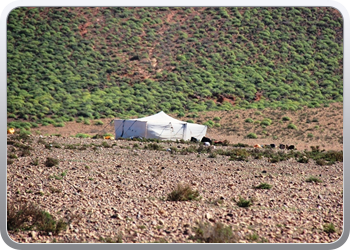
(159, 126)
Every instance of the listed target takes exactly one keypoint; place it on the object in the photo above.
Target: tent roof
(159, 117)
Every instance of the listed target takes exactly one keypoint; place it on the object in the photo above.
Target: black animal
(291, 147)
(282, 146)
(206, 139)
(272, 145)
(194, 139)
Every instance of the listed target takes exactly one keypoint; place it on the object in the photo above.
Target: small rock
(208, 216)
(33, 234)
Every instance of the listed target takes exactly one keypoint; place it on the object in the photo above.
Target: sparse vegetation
(21, 215)
(313, 179)
(183, 193)
(263, 186)
(243, 202)
(252, 136)
(217, 233)
(329, 228)
(51, 162)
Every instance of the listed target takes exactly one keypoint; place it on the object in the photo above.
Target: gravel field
(121, 191)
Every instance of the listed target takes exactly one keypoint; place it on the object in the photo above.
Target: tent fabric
(158, 126)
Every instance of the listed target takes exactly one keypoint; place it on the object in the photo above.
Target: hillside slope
(107, 62)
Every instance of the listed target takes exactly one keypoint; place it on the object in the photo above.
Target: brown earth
(315, 127)
(121, 190)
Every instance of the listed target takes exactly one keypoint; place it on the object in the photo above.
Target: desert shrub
(266, 122)
(333, 156)
(252, 136)
(309, 135)
(240, 145)
(263, 186)
(243, 202)
(181, 114)
(105, 144)
(313, 179)
(87, 122)
(249, 120)
(25, 152)
(292, 126)
(119, 239)
(216, 118)
(80, 135)
(12, 156)
(329, 228)
(187, 150)
(223, 143)
(217, 233)
(59, 124)
(97, 136)
(190, 121)
(98, 122)
(257, 113)
(203, 149)
(303, 159)
(209, 123)
(286, 118)
(23, 215)
(212, 155)
(80, 119)
(237, 116)
(183, 193)
(154, 146)
(35, 162)
(51, 162)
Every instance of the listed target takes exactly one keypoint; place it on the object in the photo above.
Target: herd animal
(207, 141)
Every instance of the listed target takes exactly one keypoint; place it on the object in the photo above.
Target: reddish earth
(315, 127)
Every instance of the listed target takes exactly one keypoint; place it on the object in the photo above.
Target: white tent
(158, 126)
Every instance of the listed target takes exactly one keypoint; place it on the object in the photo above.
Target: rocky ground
(121, 192)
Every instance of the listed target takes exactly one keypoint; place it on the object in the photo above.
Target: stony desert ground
(117, 192)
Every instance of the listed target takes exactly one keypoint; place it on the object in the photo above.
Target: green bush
(217, 118)
(80, 135)
(249, 120)
(264, 186)
(27, 216)
(183, 193)
(313, 179)
(243, 202)
(329, 228)
(252, 136)
(190, 121)
(292, 126)
(98, 122)
(209, 123)
(286, 118)
(266, 122)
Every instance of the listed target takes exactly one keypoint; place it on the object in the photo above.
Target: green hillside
(118, 62)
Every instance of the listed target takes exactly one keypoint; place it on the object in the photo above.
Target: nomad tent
(159, 126)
